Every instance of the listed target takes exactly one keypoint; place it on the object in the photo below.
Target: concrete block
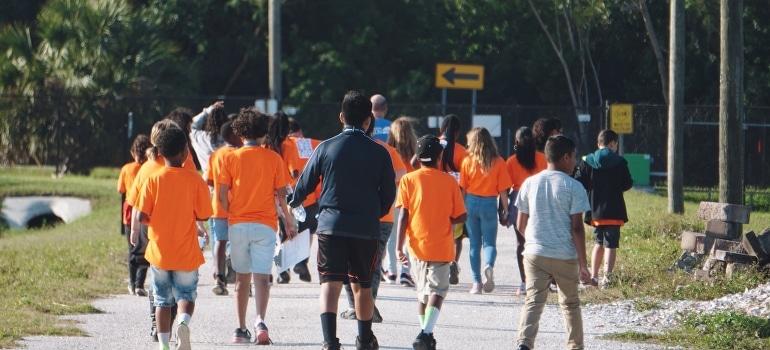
(764, 240)
(723, 230)
(696, 242)
(754, 247)
(702, 275)
(730, 257)
(736, 267)
(733, 246)
(724, 212)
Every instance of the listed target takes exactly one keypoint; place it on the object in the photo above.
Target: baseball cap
(429, 148)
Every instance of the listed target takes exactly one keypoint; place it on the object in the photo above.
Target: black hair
(370, 129)
(450, 128)
(294, 125)
(226, 131)
(182, 117)
(277, 132)
(171, 142)
(232, 116)
(214, 122)
(542, 130)
(139, 147)
(557, 146)
(250, 124)
(356, 108)
(525, 148)
(606, 136)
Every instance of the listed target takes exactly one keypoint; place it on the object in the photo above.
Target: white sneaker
(183, 337)
(476, 288)
(489, 284)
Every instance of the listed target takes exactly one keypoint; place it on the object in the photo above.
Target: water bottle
(299, 212)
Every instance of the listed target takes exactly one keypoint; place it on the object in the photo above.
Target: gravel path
(488, 321)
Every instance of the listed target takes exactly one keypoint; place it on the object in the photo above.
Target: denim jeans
(481, 224)
(392, 264)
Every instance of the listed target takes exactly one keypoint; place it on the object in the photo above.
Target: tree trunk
(731, 137)
(676, 110)
(655, 48)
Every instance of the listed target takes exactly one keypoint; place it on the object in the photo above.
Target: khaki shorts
(431, 278)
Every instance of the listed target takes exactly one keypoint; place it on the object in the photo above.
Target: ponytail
(450, 128)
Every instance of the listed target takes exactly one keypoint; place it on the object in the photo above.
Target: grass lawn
(51, 272)
(59, 271)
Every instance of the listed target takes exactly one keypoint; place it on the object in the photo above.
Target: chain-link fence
(77, 133)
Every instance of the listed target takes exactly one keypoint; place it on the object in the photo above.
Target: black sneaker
(522, 347)
(302, 271)
(241, 336)
(407, 280)
(283, 278)
(373, 345)
(454, 273)
(423, 342)
(335, 345)
(221, 285)
(263, 338)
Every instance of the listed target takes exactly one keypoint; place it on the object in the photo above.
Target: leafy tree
(79, 52)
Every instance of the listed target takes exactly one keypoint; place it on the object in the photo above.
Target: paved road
(488, 321)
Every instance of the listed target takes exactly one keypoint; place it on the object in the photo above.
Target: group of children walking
(440, 190)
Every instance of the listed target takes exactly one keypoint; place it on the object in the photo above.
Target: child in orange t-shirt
(218, 222)
(521, 165)
(431, 202)
(137, 265)
(169, 203)
(484, 179)
(254, 176)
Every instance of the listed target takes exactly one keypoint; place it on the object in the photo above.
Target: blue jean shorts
(252, 247)
(219, 229)
(171, 287)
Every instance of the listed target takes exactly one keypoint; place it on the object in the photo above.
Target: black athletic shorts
(347, 259)
(609, 236)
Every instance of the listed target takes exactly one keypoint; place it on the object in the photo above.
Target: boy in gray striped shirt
(551, 206)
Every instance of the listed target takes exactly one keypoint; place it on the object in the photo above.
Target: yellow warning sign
(622, 118)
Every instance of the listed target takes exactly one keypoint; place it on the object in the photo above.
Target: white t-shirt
(550, 197)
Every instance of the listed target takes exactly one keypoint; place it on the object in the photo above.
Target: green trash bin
(639, 165)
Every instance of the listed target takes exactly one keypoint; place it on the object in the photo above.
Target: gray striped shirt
(550, 197)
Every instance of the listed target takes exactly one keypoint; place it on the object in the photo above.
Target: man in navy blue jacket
(358, 189)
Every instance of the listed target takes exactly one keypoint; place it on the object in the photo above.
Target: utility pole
(731, 102)
(675, 168)
(274, 49)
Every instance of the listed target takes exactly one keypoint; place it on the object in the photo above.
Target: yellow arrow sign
(459, 76)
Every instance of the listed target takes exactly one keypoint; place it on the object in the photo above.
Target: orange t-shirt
(303, 149)
(125, 181)
(147, 169)
(216, 160)
(518, 173)
(127, 175)
(398, 164)
(432, 198)
(174, 198)
(481, 184)
(253, 175)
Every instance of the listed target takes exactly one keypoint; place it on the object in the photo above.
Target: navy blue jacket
(605, 176)
(359, 184)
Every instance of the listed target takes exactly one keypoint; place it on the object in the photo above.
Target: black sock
(329, 326)
(365, 331)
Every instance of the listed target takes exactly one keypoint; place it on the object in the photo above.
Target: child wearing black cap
(431, 202)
